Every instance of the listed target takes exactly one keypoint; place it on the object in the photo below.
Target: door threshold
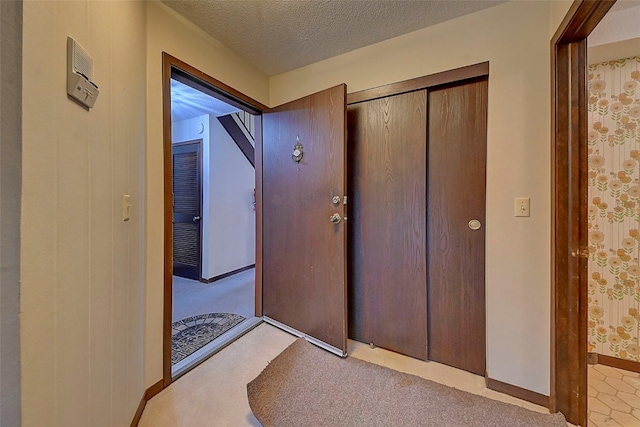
(323, 345)
(190, 362)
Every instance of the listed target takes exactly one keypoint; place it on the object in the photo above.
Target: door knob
(580, 253)
(196, 218)
(335, 218)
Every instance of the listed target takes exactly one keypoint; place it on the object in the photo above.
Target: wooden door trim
(193, 77)
(568, 392)
(446, 77)
(213, 86)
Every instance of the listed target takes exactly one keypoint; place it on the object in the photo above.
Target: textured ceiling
(187, 103)
(280, 35)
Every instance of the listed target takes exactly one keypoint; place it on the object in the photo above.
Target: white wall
(228, 179)
(82, 324)
(10, 187)
(515, 38)
(169, 32)
(233, 225)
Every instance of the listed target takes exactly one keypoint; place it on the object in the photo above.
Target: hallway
(233, 294)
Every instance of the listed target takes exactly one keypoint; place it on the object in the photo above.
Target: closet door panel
(387, 216)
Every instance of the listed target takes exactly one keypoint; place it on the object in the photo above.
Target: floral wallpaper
(614, 208)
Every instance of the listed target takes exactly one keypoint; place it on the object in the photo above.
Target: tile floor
(214, 393)
(614, 397)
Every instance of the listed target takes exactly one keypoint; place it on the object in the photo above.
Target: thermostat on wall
(79, 75)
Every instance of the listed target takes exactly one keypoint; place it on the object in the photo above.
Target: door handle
(474, 224)
(580, 253)
(335, 218)
(196, 218)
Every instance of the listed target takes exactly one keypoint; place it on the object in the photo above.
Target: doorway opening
(570, 209)
(211, 292)
(613, 141)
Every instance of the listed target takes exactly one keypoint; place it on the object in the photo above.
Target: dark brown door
(387, 282)
(304, 278)
(187, 196)
(456, 196)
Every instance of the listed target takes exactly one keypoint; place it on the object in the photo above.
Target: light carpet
(305, 385)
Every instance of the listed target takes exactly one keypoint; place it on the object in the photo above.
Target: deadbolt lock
(336, 200)
(335, 218)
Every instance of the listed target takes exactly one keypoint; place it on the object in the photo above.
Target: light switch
(126, 207)
(522, 206)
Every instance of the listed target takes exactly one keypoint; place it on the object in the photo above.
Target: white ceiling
(187, 103)
(281, 35)
(617, 35)
(622, 22)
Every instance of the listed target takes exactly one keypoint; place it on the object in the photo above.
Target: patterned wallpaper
(614, 209)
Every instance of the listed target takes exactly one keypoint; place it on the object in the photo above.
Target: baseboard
(225, 275)
(138, 414)
(148, 394)
(614, 362)
(519, 392)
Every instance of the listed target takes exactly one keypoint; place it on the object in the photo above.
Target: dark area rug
(191, 334)
(307, 386)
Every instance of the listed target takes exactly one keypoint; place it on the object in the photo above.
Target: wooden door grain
(387, 180)
(304, 265)
(457, 132)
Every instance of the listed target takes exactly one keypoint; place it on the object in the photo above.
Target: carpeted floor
(305, 385)
(191, 334)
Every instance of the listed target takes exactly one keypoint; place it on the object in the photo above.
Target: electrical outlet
(522, 206)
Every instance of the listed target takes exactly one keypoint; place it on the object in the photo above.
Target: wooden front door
(187, 196)
(304, 167)
(457, 133)
(387, 291)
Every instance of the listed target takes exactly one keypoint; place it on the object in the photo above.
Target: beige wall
(82, 324)
(90, 298)
(514, 37)
(168, 32)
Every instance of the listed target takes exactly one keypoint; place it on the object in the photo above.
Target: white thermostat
(79, 75)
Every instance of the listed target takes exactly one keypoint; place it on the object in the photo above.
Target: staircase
(240, 126)
(247, 121)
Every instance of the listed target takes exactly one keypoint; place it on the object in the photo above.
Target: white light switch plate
(522, 206)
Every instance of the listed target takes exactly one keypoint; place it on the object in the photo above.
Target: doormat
(307, 386)
(191, 334)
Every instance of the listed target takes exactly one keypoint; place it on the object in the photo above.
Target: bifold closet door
(387, 217)
(456, 225)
